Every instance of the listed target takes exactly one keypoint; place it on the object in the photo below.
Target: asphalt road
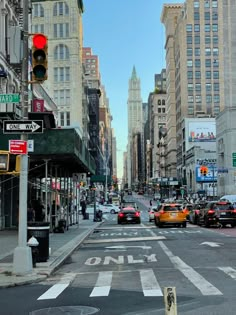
(123, 270)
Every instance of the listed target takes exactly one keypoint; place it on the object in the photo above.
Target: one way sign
(22, 126)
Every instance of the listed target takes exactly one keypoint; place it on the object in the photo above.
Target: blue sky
(124, 34)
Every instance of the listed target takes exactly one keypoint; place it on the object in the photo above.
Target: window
(196, 4)
(214, 27)
(208, 63)
(190, 110)
(216, 98)
(207, 4)
(190, 74)
(159, 102)
(190, 87)
(215, 16)
(163, 102)
(189, 39)
(208, 98)
(207, 51)
(189, 63)
(38, 10)
(196, 27)
(197, 74)
(208, 87)
(214, 4)
(198, 87)
(197, 63)
(215, 40)
(189, 51)
(207, 40)
(216, 87)
(197, 40)
(163, 110)
(61, 74)
(159, 110)
(207, 16)
(38, 28)
(62, 97)
(60, 8)
(190, 98)
(198, 98)
(197, 51)
(189, 27)
(215, 51)
(215, 74)
(207, 27)
(196, 16)
(61, 30)
(61, 52)
(208, 74)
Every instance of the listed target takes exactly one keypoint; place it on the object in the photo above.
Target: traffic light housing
(4, 161)
(9, 163)
(39, 57)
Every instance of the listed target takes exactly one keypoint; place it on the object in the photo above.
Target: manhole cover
(66, 310)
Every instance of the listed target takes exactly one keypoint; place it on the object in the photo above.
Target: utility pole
(22, 257)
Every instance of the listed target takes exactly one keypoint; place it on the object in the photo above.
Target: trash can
(40, 230)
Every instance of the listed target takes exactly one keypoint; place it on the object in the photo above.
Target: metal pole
(106, 182)
(22, 258)
(46, 190)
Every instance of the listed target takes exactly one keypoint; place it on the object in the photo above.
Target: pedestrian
(30, 213)
(83, 208)
(54, 213)
(38, 208)
(150, 202)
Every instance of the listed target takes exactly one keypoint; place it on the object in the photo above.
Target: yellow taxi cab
(170, 214)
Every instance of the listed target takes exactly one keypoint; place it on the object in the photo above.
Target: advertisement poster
(210, 177)
(202, 131)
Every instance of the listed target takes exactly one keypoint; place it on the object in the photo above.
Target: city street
(124, 270)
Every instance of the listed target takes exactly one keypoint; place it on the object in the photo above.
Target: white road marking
(58, 288)
(205, 287)
(229, 271)
(125, 247)
(149, 283)
(127, 239)
(103, 284)
(212, 244)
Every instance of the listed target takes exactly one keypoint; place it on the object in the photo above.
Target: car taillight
(161, 211)
(121, 215)
(211, 211)
(234, 211)
(137, 214)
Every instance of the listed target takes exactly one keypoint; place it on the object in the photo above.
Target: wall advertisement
(210, 177)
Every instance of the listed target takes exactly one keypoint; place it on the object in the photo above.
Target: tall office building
(195, 70)
(135, 130)
(62, 23)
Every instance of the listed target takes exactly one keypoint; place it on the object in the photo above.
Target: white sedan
(109, 208)
(151, 212)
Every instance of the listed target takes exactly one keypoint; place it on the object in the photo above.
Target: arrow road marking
(212, 244)
(123, 247)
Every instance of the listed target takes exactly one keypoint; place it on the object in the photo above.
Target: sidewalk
(61, 246)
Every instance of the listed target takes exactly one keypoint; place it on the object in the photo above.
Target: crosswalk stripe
(205, 287)
(229, 271)
(149, 283)
(58, 288)
(103, 284)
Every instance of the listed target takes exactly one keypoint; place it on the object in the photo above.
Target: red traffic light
(39, 41)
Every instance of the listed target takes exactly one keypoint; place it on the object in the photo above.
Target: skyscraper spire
(134, 74)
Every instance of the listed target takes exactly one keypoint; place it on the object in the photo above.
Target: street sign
(18, 146)
(9, 98)
(22, 126)
(234, 159)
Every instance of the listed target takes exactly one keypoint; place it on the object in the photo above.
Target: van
(230, 198)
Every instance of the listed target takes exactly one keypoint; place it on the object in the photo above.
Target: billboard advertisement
(211, 176)
(202, 131)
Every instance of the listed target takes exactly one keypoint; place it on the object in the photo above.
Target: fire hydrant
(33, 243)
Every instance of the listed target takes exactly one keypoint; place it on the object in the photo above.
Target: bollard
(33, 244)
(170, 301)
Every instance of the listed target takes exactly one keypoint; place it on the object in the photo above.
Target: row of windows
(196, 27)
(209, 98)
(61, 74)
(208, 51)
(64, 119)
(62, 97)
(208, 63)
(207, 4)
(197, 40)
(215, 110)
(59, 8)
(61, 30)
(208, 87)
(208, 74)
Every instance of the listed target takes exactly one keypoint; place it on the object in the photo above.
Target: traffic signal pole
(22, 257)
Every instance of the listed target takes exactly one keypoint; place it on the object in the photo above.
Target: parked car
(151, 212)
(109, 208)
(170, 214)
(217, 212)
(128, 215)
(194, 212)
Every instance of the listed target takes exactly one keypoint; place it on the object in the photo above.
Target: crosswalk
(148, 282)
